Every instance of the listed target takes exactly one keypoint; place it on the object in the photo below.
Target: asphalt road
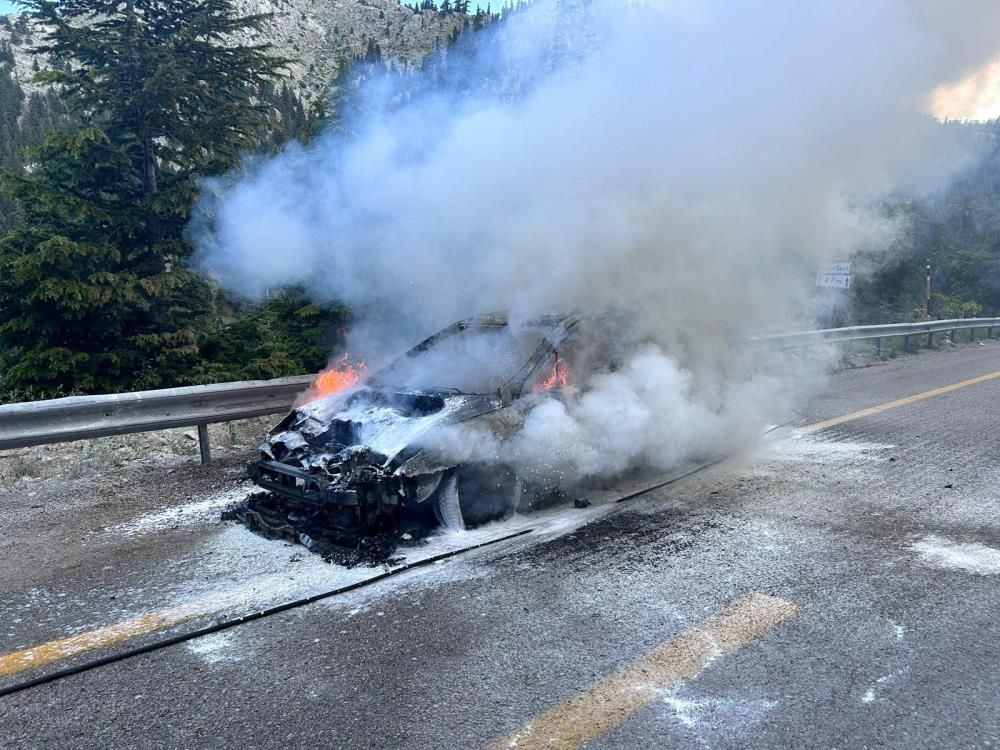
(855, 570)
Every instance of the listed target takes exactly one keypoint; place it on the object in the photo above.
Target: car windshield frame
(520, 370)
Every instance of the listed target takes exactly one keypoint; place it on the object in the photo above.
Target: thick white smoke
(649, 413)
(688, 163)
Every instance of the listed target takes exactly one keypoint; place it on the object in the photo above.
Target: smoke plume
(688, 164)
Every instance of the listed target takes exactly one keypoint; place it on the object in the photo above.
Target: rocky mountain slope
(319, 35)
(322, 34)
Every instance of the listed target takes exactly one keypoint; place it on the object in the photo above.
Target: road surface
(835, 587)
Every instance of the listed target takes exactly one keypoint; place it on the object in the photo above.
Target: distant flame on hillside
(974, 97)
(340, 376)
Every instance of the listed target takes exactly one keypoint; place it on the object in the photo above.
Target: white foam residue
(236, 554)
(969, 557)
(804, 446)
(685, 711)
(385, 430)
(886, 679)
(213, 648)
(256, 573)
(204, 509)
(708, 716)
(543, 524)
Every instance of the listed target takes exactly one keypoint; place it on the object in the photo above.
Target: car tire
(473, 495)
(447, 507)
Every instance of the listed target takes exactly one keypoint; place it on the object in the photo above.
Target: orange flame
(558, 378)
(340, 376)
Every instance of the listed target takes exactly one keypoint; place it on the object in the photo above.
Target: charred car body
(361, 457)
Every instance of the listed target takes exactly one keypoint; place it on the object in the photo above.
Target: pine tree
(93, 293)
(373, 52)
(69, 295)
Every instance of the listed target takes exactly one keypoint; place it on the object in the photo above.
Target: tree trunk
(149, 166)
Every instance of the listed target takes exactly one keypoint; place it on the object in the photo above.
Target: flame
(558, 378)
(341, 375)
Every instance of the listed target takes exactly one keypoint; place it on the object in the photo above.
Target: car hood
(378, 420)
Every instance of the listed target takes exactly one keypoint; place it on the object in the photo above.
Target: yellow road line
(149, 622)
(590, 714)
(899, 402)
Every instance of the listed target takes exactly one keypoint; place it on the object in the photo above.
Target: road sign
(835, 280)
(836, 269)
(835, 275)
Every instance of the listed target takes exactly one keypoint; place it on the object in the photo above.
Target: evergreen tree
(72, 294)
(373, 52)
(23, 123)
(286, 334)
(93, 295)
(290, 119)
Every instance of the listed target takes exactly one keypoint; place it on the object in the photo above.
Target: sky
(6, 7)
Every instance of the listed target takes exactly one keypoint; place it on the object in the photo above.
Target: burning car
(358, 452)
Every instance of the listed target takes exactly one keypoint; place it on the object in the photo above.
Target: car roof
(499, 319)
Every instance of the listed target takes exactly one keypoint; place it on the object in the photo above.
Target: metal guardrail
(80, 417)
(928, 328)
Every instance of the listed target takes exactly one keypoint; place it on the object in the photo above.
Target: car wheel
(474, 495)
(446, 504)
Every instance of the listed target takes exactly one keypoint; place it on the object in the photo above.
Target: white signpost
(835, 275)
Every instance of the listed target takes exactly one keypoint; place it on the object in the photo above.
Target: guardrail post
(203, 444)
(930, 339)
(972, 335)
(989, 333)
(878, 347)
(951, 335)
(906, 342)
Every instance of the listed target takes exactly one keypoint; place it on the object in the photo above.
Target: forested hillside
(99, 177)
(955, 230)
